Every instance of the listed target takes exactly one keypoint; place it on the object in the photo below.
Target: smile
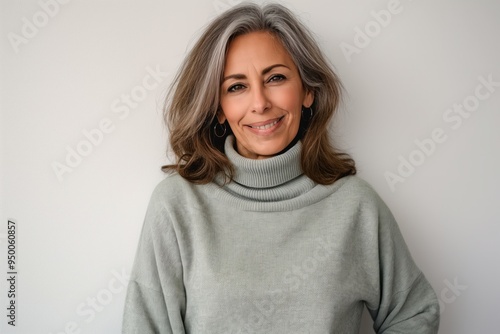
(266, 126)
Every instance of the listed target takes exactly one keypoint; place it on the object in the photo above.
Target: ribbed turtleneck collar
(273, 184)
(264, 173)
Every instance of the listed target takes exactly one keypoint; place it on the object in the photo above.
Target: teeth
(267, 126)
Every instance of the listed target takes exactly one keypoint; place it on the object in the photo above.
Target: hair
(193, 99)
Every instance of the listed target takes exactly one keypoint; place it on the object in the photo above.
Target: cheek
(289, 98)
(232, 110)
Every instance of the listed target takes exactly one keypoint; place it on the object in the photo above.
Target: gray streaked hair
(193, 100)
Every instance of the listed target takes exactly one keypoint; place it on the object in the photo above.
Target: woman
(262, 226)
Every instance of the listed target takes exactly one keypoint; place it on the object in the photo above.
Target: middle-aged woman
(261, 226)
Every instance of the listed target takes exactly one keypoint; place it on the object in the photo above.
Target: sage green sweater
(273, 252)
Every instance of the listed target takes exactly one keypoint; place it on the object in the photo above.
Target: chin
(270, 150)
(263, 148)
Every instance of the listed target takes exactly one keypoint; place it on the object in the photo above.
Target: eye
(276, 78)
(235, 88)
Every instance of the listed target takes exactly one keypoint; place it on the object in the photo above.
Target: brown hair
(195, 93)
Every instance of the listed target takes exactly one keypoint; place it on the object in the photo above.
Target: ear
(220, 116)
(308, 99)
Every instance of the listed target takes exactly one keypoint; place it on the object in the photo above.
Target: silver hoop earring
(223, 126)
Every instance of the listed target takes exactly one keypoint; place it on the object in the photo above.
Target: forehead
(256, 49)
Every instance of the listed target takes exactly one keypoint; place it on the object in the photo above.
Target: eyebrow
(264, 71)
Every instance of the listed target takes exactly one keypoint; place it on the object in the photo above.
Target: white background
(78, 233)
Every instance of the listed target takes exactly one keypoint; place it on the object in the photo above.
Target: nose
(260, 100)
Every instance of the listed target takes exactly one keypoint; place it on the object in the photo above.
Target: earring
(223, 126)
(310, 111)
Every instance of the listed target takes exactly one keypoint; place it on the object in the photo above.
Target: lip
(266, 127)
(269, 121)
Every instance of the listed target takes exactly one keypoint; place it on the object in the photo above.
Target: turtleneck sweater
(272, 251)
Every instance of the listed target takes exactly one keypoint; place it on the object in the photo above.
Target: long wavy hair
(193, 99)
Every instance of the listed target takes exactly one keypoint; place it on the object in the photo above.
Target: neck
(265, 173)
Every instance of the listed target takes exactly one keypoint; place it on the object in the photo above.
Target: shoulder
(171, 185)
(174, 190)
(355, 187)
(368, 202)
(171, 196)
(359, 194)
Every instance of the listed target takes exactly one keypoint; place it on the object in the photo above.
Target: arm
(406, 301)
(155, 301)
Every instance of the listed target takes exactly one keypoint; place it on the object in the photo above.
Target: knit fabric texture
(273, 252)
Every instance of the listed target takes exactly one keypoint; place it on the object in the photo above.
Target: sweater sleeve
(155, 301)
(406, 302)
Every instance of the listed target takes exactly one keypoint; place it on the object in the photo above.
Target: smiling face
(261, 95)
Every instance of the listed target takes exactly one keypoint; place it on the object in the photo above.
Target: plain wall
(70, 67)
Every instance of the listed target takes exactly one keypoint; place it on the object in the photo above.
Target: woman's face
(261, 95)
